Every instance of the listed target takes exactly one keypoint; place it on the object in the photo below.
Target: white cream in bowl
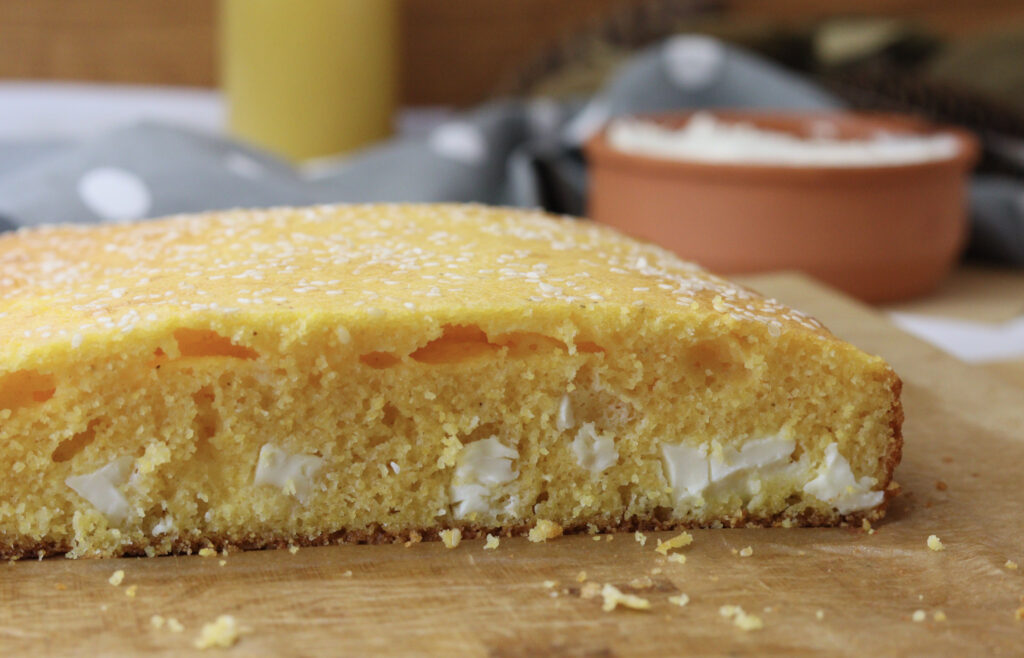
(706, 138)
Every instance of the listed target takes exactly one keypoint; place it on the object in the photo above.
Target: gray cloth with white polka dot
(509, 152)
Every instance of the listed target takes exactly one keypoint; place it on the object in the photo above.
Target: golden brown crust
(892, 457)
(895, 454)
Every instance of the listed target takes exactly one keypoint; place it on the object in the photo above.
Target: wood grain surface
(962, 428)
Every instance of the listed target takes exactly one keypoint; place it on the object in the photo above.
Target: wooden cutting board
(523, 599)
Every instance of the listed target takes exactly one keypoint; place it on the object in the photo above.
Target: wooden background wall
(454, 51)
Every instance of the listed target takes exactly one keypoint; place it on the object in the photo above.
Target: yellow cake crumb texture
(679, 541)
(740, 618)
(678, 558)
(451, 537)
(919, 615)
(492, 542)
(207, 552)
(640, 538)
(614, 597)
(680, 600)
(545, 530)
(220, 633)
(1011, 565)
(116, 578)
(131, 591)
(935, 544)
(747, 551)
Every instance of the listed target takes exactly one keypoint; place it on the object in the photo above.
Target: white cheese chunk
(481, 470)
(837, 485)
(565, 419)
(687, 469)
(102, 488)
(293, 474)
(594, 452)
(165, 526)
(692, 470)
(752, 455)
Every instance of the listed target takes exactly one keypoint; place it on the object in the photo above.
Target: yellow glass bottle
(309, 78)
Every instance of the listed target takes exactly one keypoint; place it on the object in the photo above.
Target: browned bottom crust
(378, 535)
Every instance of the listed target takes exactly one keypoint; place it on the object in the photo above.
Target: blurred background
(114, 110)
(456, 53)
(450, 54)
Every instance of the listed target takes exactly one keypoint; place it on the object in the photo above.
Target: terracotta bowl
(880, 233)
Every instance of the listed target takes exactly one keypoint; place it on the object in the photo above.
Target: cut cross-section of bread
(373, 373)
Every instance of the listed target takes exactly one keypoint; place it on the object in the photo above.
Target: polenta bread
(379, 372)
